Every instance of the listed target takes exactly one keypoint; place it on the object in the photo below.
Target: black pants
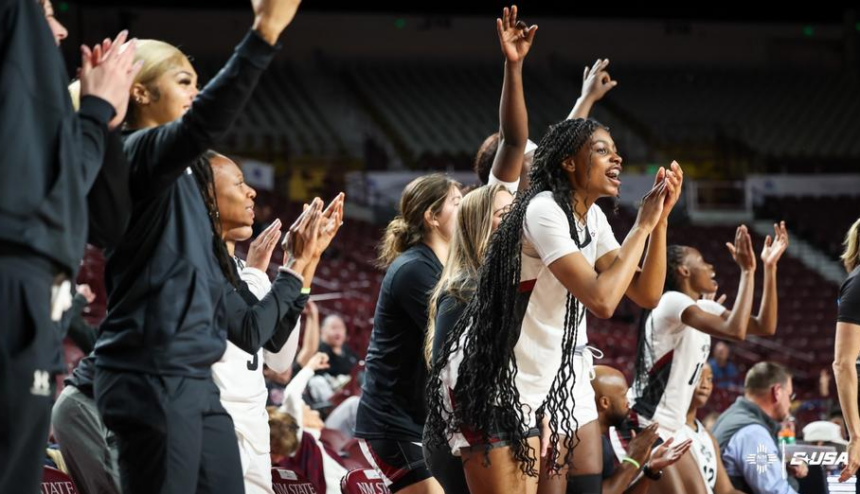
(29, 359)
(172, 433)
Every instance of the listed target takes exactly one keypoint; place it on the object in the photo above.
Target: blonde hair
(407, 228)
(283, 432)
(851, 256)
(158, 58)
(465, 253)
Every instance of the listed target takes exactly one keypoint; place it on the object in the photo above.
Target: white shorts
(582, 399)
(582, 396)
(256, 468)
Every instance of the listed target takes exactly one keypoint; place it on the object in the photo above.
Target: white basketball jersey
(674, 360)
(239, 377)
(703, 450)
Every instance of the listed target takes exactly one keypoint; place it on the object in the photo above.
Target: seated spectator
(341, 358)
(748, 429)
(639, 464)
(726, 374)
(320, 466)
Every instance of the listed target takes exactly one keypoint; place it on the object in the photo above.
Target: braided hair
(202, 170)
(674, 257)
(486, 393)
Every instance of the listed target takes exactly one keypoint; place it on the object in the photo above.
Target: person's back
(395, 373)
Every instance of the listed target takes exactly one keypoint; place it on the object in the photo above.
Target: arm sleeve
(849, 301)
(93, 117)
(287, 325)
(511, 186)
(412, 287)
(547, 230)
(250, 325)
(293, 403)
(282, 359)
(764, 473)
(109, 199)
(447, 315)
(257, 281)
(159, 155)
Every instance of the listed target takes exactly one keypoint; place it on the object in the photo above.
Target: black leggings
(446, 468)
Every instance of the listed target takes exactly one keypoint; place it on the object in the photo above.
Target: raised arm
(516, 41)
(764, 324)
(733, 324)
(596, 82)
(601, 291)
(159, 155)
(311, 339)
(106, 74)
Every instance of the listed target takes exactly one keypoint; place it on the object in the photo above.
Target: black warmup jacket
(170, 308)
(51, 155)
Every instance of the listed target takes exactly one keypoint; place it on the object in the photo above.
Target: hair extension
(202, 171)
(486, 394)
(674, 258)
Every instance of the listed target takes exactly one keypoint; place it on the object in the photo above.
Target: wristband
(306, 291)
(651, 474)
(632, 462)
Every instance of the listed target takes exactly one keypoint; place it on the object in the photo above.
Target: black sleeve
(109, 199)
(93, 117)
(159, 155)
(249, 326)
(448, 313)
(849, 300)
(287, 325)
(412, 287)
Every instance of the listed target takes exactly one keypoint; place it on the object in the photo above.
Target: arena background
(761, 109)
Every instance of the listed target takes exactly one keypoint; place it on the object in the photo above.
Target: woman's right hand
(515, 36)
(271, 17)
(742, 250)
(651, 209)
(300, 242)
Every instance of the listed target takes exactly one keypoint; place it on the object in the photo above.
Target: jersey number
(254, 364)
(695, 377)
(709, 474)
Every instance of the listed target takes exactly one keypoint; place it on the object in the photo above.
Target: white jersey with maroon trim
(542, 301)
(674, 358)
